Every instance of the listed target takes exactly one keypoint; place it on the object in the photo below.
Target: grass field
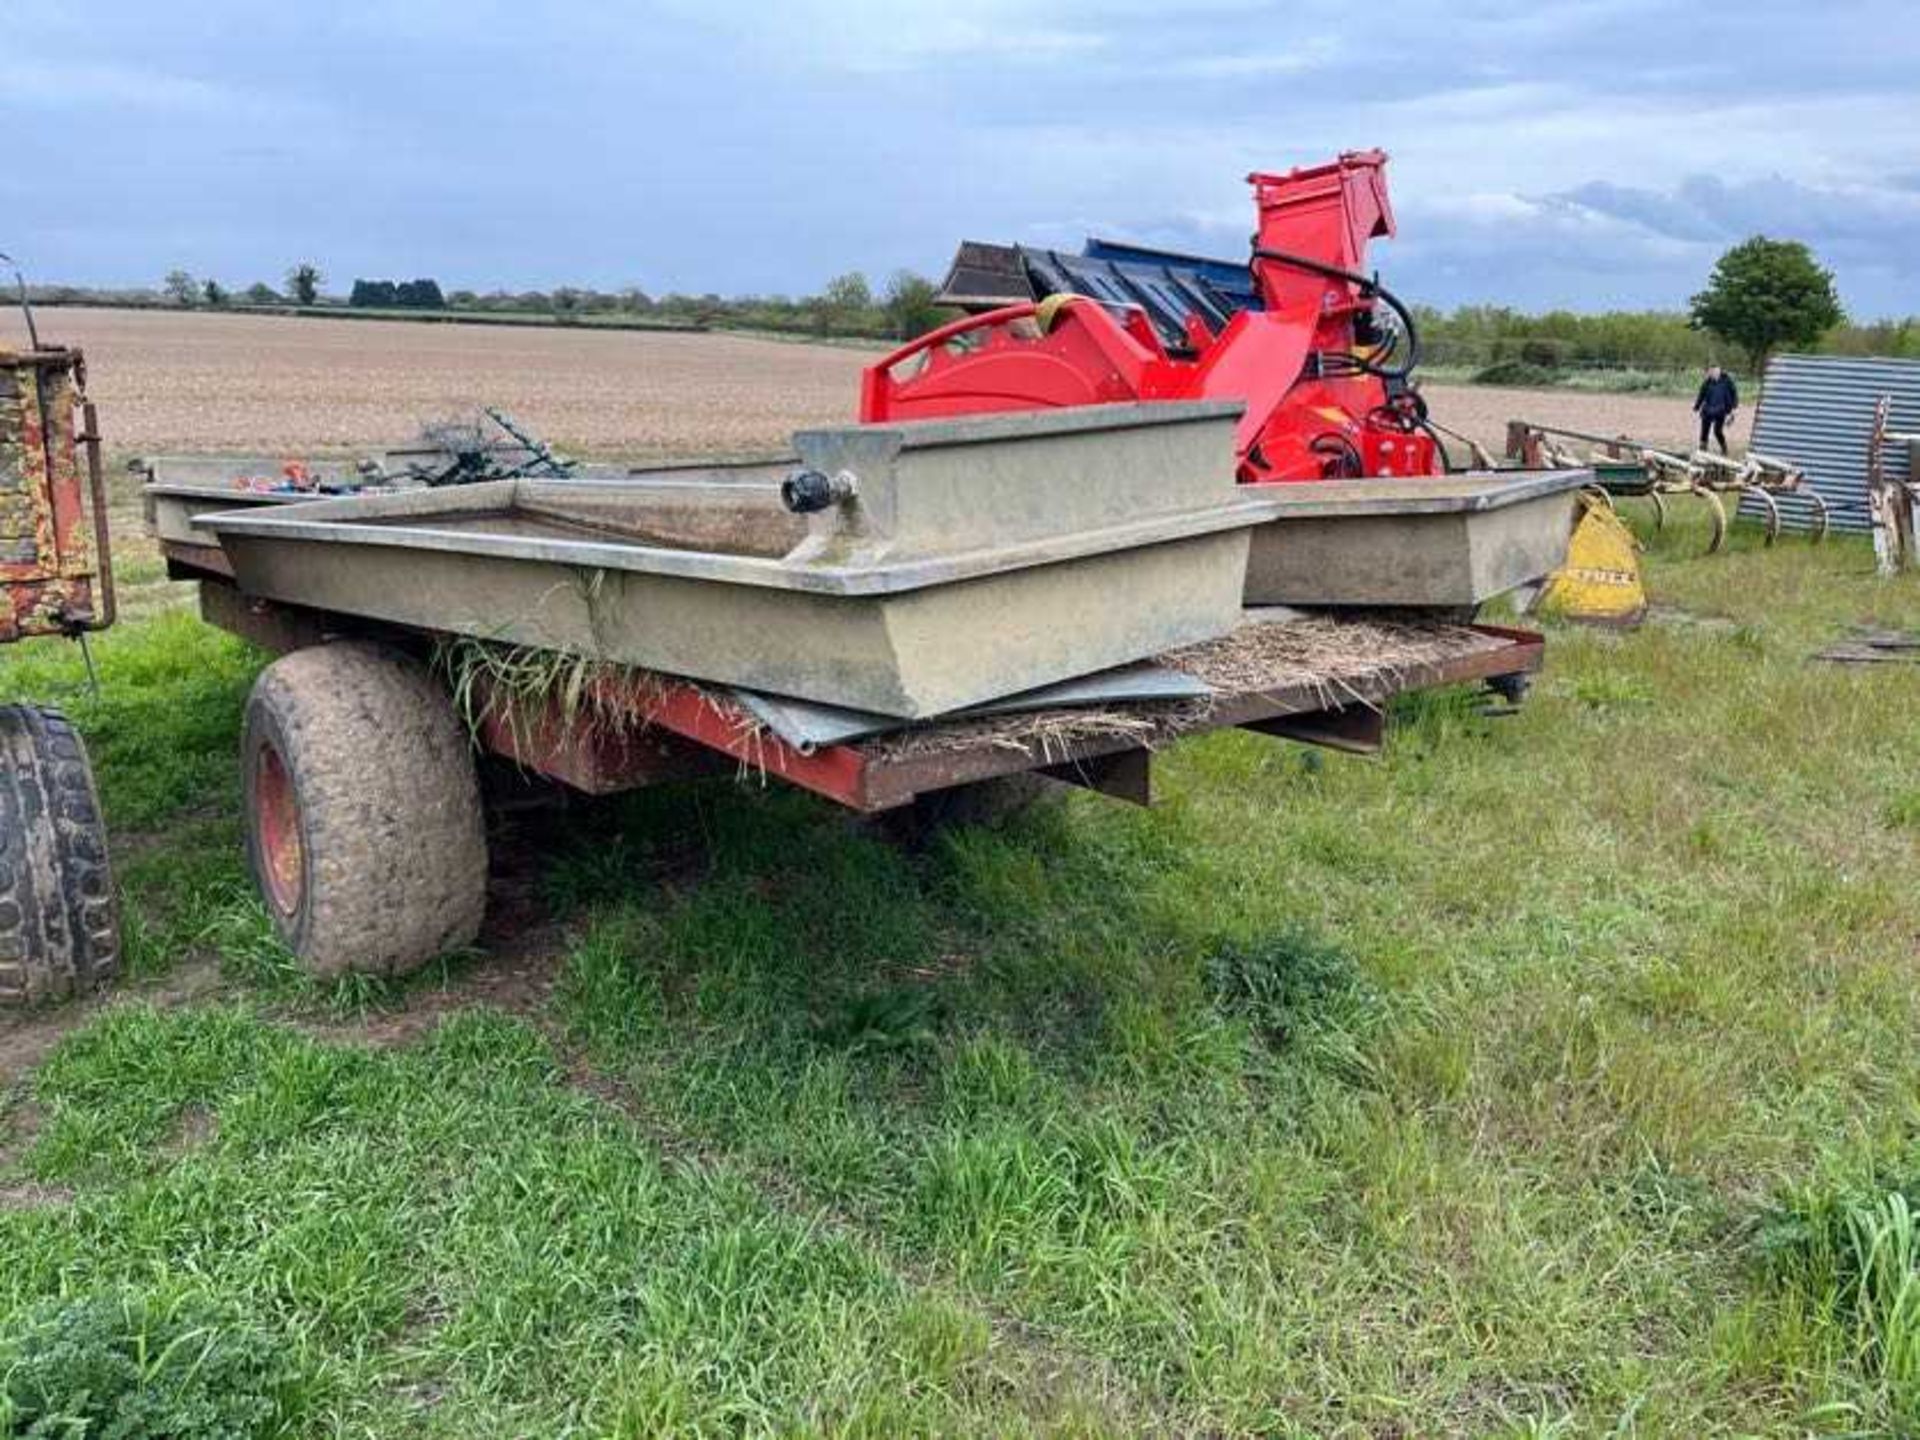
(1554, 1076)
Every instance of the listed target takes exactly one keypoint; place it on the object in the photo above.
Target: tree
(841, 304)
(911, 306)
(215, 293)
(304, 281)
(419, 295)
(1767, 293)
(180, 287)
(261, 293)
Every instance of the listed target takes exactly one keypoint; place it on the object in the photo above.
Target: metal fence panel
(1817, 412)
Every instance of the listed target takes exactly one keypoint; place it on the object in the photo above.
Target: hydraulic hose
(1348, 462)
(1433, 434)
(1417, 420)
(1369, 287)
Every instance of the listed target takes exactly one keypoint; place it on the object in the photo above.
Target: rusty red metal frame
(65, 585)
(870, 776)
(658, 728)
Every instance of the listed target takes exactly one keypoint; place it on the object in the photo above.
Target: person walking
(1715, 404)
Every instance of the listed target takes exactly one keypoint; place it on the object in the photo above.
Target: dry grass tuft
(1337, 655)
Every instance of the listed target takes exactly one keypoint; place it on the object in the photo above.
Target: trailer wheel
(364, 827)
(58, 931)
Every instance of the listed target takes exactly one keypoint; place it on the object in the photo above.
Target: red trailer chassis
(674, 729)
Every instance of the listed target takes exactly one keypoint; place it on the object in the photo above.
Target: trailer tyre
(364, 826)
(58, 930)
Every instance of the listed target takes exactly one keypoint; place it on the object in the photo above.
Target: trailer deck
(1312, 677)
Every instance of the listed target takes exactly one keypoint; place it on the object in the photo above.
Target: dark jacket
(1717, 397)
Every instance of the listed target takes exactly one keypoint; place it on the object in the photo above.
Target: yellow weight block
(1600, 584)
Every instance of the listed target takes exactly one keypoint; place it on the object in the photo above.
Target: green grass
(1554, 1076)
(449, 1240)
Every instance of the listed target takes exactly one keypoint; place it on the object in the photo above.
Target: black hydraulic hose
(1369, 287)
(1331, 446)
(1446, 458)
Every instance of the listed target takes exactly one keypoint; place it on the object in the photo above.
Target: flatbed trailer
(363, 813)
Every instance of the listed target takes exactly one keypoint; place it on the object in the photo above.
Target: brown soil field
(1483, 411)
(196, 381)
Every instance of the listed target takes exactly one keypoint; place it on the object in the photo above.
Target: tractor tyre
(364, 824)
(59, 935)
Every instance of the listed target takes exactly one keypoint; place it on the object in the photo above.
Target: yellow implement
(1600, 583)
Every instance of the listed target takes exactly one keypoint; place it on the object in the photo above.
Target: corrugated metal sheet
(1168, 291)
(808, 724)
(1232, 279)
(1167, 286)
(1817, 411)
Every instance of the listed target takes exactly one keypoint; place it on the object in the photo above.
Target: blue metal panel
(1817, 412)
(1228, 278)
(1169, 288)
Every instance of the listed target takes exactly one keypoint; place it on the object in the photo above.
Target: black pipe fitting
(806, 491)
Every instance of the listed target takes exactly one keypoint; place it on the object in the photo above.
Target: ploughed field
(170, 381)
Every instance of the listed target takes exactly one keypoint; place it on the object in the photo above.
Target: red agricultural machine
(1319, 351)
(57, 930)
(1321, 355)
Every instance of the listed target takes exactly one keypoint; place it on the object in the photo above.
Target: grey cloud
(691, 145)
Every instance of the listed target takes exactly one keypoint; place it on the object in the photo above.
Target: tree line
(846, 305)
(1761, 295)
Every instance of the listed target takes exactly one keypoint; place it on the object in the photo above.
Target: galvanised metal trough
(172, 508)
(1443, 542)
(906, 569)
(178, 488)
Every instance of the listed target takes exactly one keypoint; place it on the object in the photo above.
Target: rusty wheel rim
(276, 819)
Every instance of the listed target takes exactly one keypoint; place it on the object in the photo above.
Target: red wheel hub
(276, 821)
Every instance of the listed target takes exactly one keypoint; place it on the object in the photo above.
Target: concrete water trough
(1444, 542)
(908, 569)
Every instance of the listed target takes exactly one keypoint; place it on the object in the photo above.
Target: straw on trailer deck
(1315, 677)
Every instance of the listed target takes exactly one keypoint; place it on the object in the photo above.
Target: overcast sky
(1592, 154)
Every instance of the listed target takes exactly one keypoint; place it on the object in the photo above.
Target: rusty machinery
(58, 933)
(1892, 501)
(1625, 467)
